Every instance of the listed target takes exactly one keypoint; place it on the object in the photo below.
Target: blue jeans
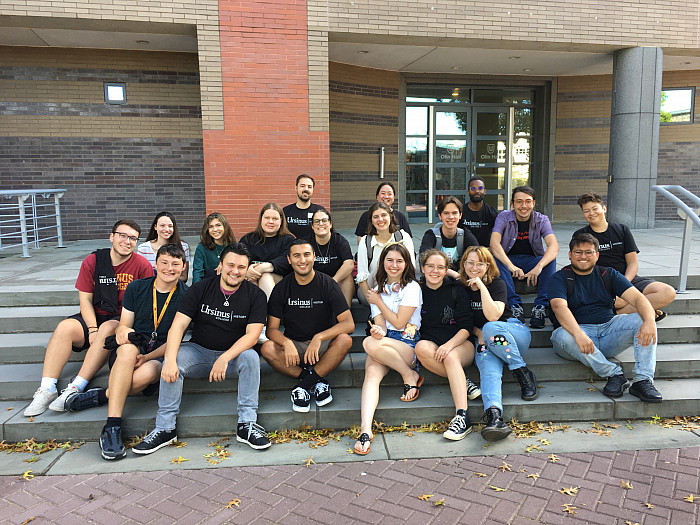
(609, 339)
(527, 263)
(196, 361)
(490, 361)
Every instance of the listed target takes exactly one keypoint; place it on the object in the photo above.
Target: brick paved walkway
(379, 492)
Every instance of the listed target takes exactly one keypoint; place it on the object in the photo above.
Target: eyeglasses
(432, 267)
(321, 221)
(471, 264)
(587, 253)
(124, 237)
(475, 188)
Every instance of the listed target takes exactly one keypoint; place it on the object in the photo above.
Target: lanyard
(158, 318)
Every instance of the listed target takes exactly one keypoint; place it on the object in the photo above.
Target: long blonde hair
(484, 255)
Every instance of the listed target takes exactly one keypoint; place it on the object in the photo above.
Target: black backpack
(603, 272)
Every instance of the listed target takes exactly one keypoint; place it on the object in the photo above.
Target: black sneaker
(459, 427)
(518, 312)
(473, 390)
(252, 434)
(537, 317)
(157, 439)
(111, 443)
(495, 428)
(322, 393)
(528, 383)
(301, 399)
(82, 400)
(646, 391)
(616, 386)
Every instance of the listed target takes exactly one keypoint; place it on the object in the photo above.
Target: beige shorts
(303, 345)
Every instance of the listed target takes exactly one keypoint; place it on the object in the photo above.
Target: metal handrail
(690, 216)
(23, 224)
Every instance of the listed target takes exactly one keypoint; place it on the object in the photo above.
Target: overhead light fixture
(362, 52)
(456, 67)
(527, 69)
(455, 92)
(687, 63)
(513, 58)
(143, 42)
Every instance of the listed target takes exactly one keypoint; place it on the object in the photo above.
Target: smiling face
(216, 230)
(594, 213)
(305, 189)
(165, 228)
(124, 240)
(271, 222)
(450, 216)
(583, 258)
(523, 204)
(394, 265)
(474, 267)
(386, 195)
(233, 269)
(381, 219)
(302, 258)
(435, 270)
(169, 268)
(321, 224)
(477, 190)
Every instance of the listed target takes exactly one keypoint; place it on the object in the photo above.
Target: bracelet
(92, 332)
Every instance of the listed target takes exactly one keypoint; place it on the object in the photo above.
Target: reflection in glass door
(450, 163)
(491, 154)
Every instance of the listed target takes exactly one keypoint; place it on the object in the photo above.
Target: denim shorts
(398, 335)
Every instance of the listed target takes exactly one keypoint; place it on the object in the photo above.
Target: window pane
(504, 96)
(491, 123)
(416, 178)
(488, 151)
(521, 150)
(416, 121)
(523, 121)
(494, 178)
(521, 175)
(450, 123)
(450, 179)
(437, 93)
(450, 151)
(416, 150)
(677, 105)
(497, 201)
(417, 204)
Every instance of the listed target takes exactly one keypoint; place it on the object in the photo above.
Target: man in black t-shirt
(582, 297)
(386, 194)
(618, 250)
(317, 324)
(300, 213)
(477, 216)
(229, 314)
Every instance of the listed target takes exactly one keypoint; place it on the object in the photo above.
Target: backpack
(602, 272)
(438, 238)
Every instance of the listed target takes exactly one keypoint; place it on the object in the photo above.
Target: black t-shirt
(309, 309)
(138, 298)
(614, 242)
(449, 246)
(590, 302)
(401, 220)
(274, 250)
(480, 223)
(522, 244)
(216, 326)
(441, 316)
(299, 221)
(331, 256)
(498, 292)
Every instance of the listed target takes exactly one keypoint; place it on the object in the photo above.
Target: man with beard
(300, 213)
(229, 314)
(477, 216)
(582, 296)
(317, 324)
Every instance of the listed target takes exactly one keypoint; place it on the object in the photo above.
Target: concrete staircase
(569, 391)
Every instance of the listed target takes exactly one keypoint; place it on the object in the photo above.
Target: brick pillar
(266, 141)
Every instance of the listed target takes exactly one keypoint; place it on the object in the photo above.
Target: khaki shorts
(303, 345)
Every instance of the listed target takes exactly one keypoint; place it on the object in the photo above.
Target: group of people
(289, 285)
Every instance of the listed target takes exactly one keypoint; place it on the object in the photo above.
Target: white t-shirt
(410, 295)
(146, 250)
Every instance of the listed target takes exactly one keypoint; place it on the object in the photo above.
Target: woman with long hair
(500, 337)
(444, 347)
(333, 253)
(216, 234)
(395, 308)
(269, 245)
(381, 230)
(164, 231)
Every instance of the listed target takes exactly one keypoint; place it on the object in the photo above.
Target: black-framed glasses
(124, 237)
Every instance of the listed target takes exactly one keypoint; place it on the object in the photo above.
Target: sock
(304, 372)
(462, 412)
(113, 422)
(310, 380)
(102, 398)
(49, 383)
(80, 383)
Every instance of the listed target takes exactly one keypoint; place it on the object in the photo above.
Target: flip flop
(408, 388)
(660, 314)
(364, 438)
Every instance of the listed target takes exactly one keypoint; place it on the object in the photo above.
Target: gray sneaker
(518, 312)
(59, 404)
(41, 401)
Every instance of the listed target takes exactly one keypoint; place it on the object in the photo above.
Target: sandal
(660, 314)
(362, 440)
(408, 388)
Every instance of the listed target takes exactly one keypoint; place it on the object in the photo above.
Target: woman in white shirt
(164, 231)
(382, 229)
(396, 310)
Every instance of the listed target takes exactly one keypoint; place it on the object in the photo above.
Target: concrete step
(33, 318)
(215, 413)
(38, 295)
(19, 381)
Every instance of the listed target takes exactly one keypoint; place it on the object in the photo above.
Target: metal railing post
(23, 225)
(59, 225)
(35, 222)
(685, 252)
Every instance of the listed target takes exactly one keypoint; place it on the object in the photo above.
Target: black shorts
(641, 282)
(86, 336)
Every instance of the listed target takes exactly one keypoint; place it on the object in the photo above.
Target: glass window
(504, 96)
(521, 175)
(444, 93)
(416, 150)
(417, 204)
(677, 106)
(494, 178)
(490, 151)
(491, 123)
(416, 178)
(450, 179)
(450, 151)
(521, 150)
(450, 123)
(416, 120)
(523, 122)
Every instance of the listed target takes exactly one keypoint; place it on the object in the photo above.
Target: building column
(634, 135)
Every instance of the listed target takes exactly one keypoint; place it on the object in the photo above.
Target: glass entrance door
(492, 147)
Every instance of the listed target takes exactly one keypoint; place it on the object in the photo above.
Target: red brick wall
(266, 142)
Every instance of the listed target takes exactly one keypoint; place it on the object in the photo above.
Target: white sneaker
(40, 402)
(59, 404)
(263, 337)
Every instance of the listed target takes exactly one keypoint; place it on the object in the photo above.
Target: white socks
(79, 383)
(48, 383)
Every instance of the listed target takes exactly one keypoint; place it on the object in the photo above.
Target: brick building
(227, 102)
